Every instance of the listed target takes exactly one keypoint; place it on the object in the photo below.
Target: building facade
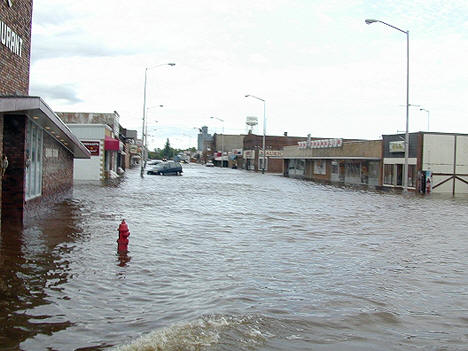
(253, 151)
(101, 133)
(338, 161)
(228, 149)
(36, 148)
(437, 162)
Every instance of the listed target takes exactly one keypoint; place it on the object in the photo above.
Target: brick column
(13, 191)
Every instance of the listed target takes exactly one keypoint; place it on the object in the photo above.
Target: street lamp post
(405, 170)
(146, 124)
(222, 141)
(143, 131)
(423, 109)
(264, 129)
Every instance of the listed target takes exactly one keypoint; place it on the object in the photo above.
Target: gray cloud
(65, 93)
(72, 44)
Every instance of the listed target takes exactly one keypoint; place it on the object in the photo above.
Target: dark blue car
(164, 168)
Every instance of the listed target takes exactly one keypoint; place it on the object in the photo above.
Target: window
(320, 167)
(388, 174)
(300, 166)
(33, 160)
(412, 176)
(260, 162)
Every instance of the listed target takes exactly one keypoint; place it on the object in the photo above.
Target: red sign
(92, 146)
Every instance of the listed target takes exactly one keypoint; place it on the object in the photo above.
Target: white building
(104, 149)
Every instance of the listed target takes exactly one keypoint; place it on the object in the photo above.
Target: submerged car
(164, 168)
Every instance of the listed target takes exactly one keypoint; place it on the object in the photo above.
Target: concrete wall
(439, 154)
(93, 168)
(14, 69)
(365, 148)
(110, 119)
(230, 142)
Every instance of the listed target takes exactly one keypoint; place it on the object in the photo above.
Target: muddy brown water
(225, 259)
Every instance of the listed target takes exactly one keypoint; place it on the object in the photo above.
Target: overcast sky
(319, 67)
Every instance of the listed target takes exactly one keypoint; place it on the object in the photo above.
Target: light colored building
(104, 151)
(437, 162)
(339, 161)
(99, 131)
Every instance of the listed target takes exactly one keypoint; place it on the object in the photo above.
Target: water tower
(251, 122)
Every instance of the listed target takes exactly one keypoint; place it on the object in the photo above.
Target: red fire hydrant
(122, 241)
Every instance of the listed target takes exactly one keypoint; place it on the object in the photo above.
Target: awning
(36, 109)
(111, 144)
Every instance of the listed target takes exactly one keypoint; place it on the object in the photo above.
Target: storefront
(253, 151)
(437, 162)
(40, 151)
(338, 161)
(104, 150)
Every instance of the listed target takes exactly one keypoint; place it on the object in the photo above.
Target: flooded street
(223, 259)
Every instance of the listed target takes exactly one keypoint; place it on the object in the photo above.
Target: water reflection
(32, 263)
(232, 260)
(123, 259)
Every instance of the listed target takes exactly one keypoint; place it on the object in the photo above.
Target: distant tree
(168, 152)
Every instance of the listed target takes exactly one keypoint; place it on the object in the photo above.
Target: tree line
(167, 152)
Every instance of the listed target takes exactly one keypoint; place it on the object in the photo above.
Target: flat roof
(36, 109)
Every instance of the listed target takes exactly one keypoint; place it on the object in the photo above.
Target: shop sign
(321, 144)
(237, 152)
(10, 39)
(249, 154)
(270, 153)
(133, 149)
(396, 146)
(92, 146)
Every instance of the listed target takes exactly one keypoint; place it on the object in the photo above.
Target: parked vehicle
(209, 164)
(164, 168)
(154, 162)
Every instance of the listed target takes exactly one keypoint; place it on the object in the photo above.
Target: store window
(320, 167)
(260, 163)
(33, 160)
(353, 172)
(292, 168)
(412, 176)
(300, 166)
(388, 174)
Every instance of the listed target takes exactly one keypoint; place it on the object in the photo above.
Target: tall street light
(143, 134)
(264, 128)
(146, 124)
(222, 141)
(405, 170)
(423, 109)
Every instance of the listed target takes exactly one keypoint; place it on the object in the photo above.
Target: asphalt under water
(224, 259)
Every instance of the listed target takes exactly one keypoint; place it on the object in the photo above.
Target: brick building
(36, 148)
(253, 151)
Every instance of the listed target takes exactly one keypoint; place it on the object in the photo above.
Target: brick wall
(57, 177)
(255, 142)
(14, 69)
(13, 182)
(1, 153)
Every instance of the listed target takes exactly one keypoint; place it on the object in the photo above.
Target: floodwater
(223, 259)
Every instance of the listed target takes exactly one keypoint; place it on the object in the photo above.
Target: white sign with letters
(10, 39)
(320, 144)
